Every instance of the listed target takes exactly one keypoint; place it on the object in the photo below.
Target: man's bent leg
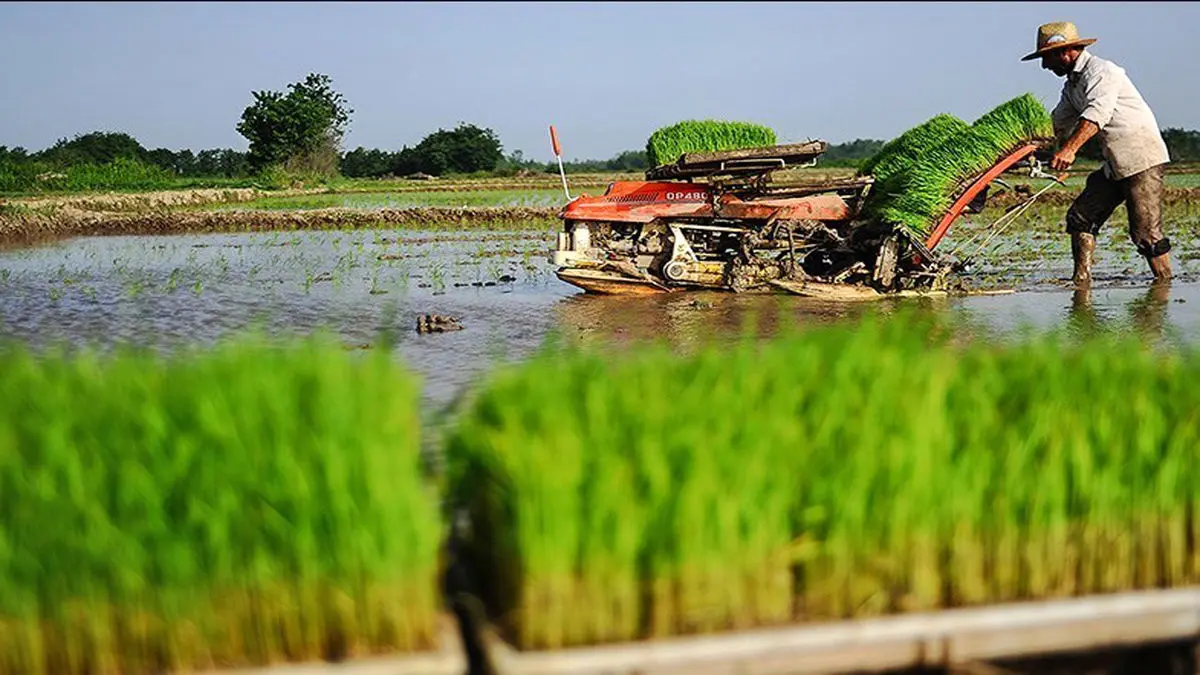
(1143, 202)
(1090, 210)
(1083, 249)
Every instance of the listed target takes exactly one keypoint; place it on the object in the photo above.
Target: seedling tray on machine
(739, 162)
(970, 189)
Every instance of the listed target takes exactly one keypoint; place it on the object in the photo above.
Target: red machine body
(740, 230)
(643, 202)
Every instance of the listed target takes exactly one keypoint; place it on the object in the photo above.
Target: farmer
(1099, 98)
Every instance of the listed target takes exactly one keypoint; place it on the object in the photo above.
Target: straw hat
(1057, 35)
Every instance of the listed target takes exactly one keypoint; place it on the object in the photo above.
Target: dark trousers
(1142, 195)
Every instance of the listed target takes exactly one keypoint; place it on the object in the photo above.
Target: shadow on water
(689, 319)
(685, 319)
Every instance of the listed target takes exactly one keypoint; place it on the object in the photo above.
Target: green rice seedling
(919, 193)
(1020, 119)
(639, 494)
(910, 145)
(842, 471)
(666, 144)
(247, 505)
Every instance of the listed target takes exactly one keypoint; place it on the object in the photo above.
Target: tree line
(467, 149)
(300, 131)
(102, 147)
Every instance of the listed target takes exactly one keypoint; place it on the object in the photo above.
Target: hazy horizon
(605, 74)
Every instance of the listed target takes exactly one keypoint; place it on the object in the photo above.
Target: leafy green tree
(858, 149)
(1183, 145)
(630, 160)
(13, 155)
(302, 129)
(465, 149)
(217, 162)
(626, 162)
(363, 163)
(232, 163)
(163, 159)
(405, 162)
(208, 163)
(185, 163)
(97, 147)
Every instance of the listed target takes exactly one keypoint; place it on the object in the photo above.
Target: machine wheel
(827, 262)
(885, 262)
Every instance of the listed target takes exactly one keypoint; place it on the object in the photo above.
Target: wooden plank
(929, 639)
(790, 151)
(825, 184)
(826, 291)
(749, 160)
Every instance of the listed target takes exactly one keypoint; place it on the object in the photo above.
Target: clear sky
(178, 75)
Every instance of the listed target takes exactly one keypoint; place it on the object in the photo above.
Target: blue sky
(178, 75)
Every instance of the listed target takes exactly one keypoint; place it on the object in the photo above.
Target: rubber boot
(1083, 247)
(1161, 266)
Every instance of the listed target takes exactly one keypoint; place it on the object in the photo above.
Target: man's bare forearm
(1083, 133)
(1065, 156)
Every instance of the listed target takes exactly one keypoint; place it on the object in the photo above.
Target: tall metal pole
(558, 155)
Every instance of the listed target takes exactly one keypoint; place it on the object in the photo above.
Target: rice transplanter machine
(718, 220)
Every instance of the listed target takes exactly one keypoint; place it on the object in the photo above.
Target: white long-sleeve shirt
(1099, 91)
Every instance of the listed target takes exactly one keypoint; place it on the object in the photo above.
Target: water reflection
(1149, 312)
(1145, 313)
(684, 320)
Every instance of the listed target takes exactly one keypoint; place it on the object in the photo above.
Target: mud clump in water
(435, 323)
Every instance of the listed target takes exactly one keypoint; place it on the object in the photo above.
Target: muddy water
(166, 291)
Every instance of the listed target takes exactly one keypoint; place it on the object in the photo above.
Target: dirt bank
(594, 186)
(146, 201)
(142, 201)
(1063, 197)
(27, 229)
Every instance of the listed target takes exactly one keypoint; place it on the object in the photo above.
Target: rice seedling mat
(449, 659)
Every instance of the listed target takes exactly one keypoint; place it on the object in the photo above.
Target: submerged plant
(174, 279)
(135, 286)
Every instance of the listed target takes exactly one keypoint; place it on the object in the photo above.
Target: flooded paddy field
(191, 271)
(172, 290)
